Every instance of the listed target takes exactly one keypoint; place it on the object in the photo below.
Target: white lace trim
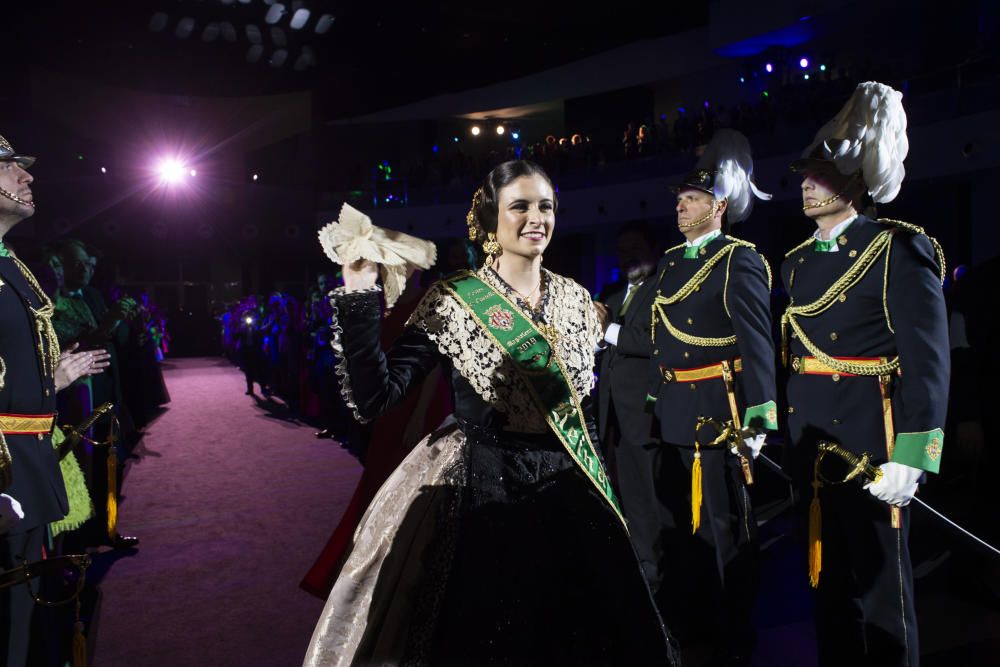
(343, 377)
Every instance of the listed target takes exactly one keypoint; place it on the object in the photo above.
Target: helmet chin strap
(705, 218)
(830, 200)
(11, 196)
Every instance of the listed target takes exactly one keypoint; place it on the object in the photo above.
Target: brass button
(842, 298)
(690, 320)
(46, 392)
(837, 421)
(853, 253)
(802, 260)
(791, 410)
(670, 263)
(693, 386)
(702, 252)
(656, 351)
(835, 377)
(833, 335)
(40, 436)
(842, 240)
(686, 355)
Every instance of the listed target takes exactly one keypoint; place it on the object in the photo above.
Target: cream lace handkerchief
(354, 237)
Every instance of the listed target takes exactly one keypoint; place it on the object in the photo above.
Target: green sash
(540, 366)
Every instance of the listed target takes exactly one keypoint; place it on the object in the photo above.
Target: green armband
(919, 450)
(763, 416)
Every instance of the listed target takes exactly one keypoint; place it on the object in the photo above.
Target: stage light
(255, 177)
(454, 140)
(104, 170)
(275, 13)
(171, 170)
(742, 80)
(279, 57)
(324, 24)
(803, 63)
(248, 320)
(434, 148)
(299, 19)
(766, 94)
(194, 172)
(475, 130)
(769, 68)
(515, 135)
(501, 129)
(822, 68)
(184, 28)
(706, 104)
(806, 77)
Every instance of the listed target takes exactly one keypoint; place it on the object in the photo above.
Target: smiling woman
(499, 538)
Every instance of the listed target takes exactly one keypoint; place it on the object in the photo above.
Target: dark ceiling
(374, 55)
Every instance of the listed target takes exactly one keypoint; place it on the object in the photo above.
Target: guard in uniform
(866, 343)
(29, 355)
(713, 356)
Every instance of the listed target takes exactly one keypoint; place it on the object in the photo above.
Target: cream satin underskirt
(367, 616)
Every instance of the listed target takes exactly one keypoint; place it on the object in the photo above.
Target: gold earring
(492, 248)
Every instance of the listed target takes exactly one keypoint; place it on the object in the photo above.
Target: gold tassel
(815, 531)
(112, 491)
(79, 641)
(696, 489)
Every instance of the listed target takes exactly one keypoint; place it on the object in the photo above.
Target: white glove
(754, 442)
(10, 512)
(898, 484)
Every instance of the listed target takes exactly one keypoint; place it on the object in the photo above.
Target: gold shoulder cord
(845, 282)
(916, 229)
(684, 292)
(43, 322)
(807, 242)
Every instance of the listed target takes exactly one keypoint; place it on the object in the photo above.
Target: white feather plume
(354, 237)
(869, 133)
(728, 154)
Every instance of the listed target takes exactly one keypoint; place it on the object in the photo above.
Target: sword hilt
(860, 465)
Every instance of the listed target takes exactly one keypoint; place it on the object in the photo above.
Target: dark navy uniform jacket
(734, 299)
(28, 389)
(896, 308)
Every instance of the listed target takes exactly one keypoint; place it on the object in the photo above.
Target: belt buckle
(798, 364)
(668, 374)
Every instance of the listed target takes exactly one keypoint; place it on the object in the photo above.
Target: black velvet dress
(528, 564)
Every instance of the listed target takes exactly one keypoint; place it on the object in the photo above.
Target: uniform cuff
(919, 450)
(611, 335)
(650, 398)
(763, 416)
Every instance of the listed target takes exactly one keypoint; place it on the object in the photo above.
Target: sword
(860, 467)
(731, 437)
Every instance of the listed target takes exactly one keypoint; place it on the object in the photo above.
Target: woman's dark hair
(503, 175)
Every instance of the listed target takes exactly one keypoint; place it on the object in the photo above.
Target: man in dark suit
(712, 356)
(78, 267)
(866, 337)
(625, 426)
(32, 370)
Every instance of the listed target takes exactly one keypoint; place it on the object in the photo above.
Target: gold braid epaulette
(692, 285)
(849, 279)
(916, 229)
(808, 242)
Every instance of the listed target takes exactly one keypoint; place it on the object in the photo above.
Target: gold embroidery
(933, 449)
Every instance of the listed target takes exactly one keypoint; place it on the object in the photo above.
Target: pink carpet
(232, 504)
